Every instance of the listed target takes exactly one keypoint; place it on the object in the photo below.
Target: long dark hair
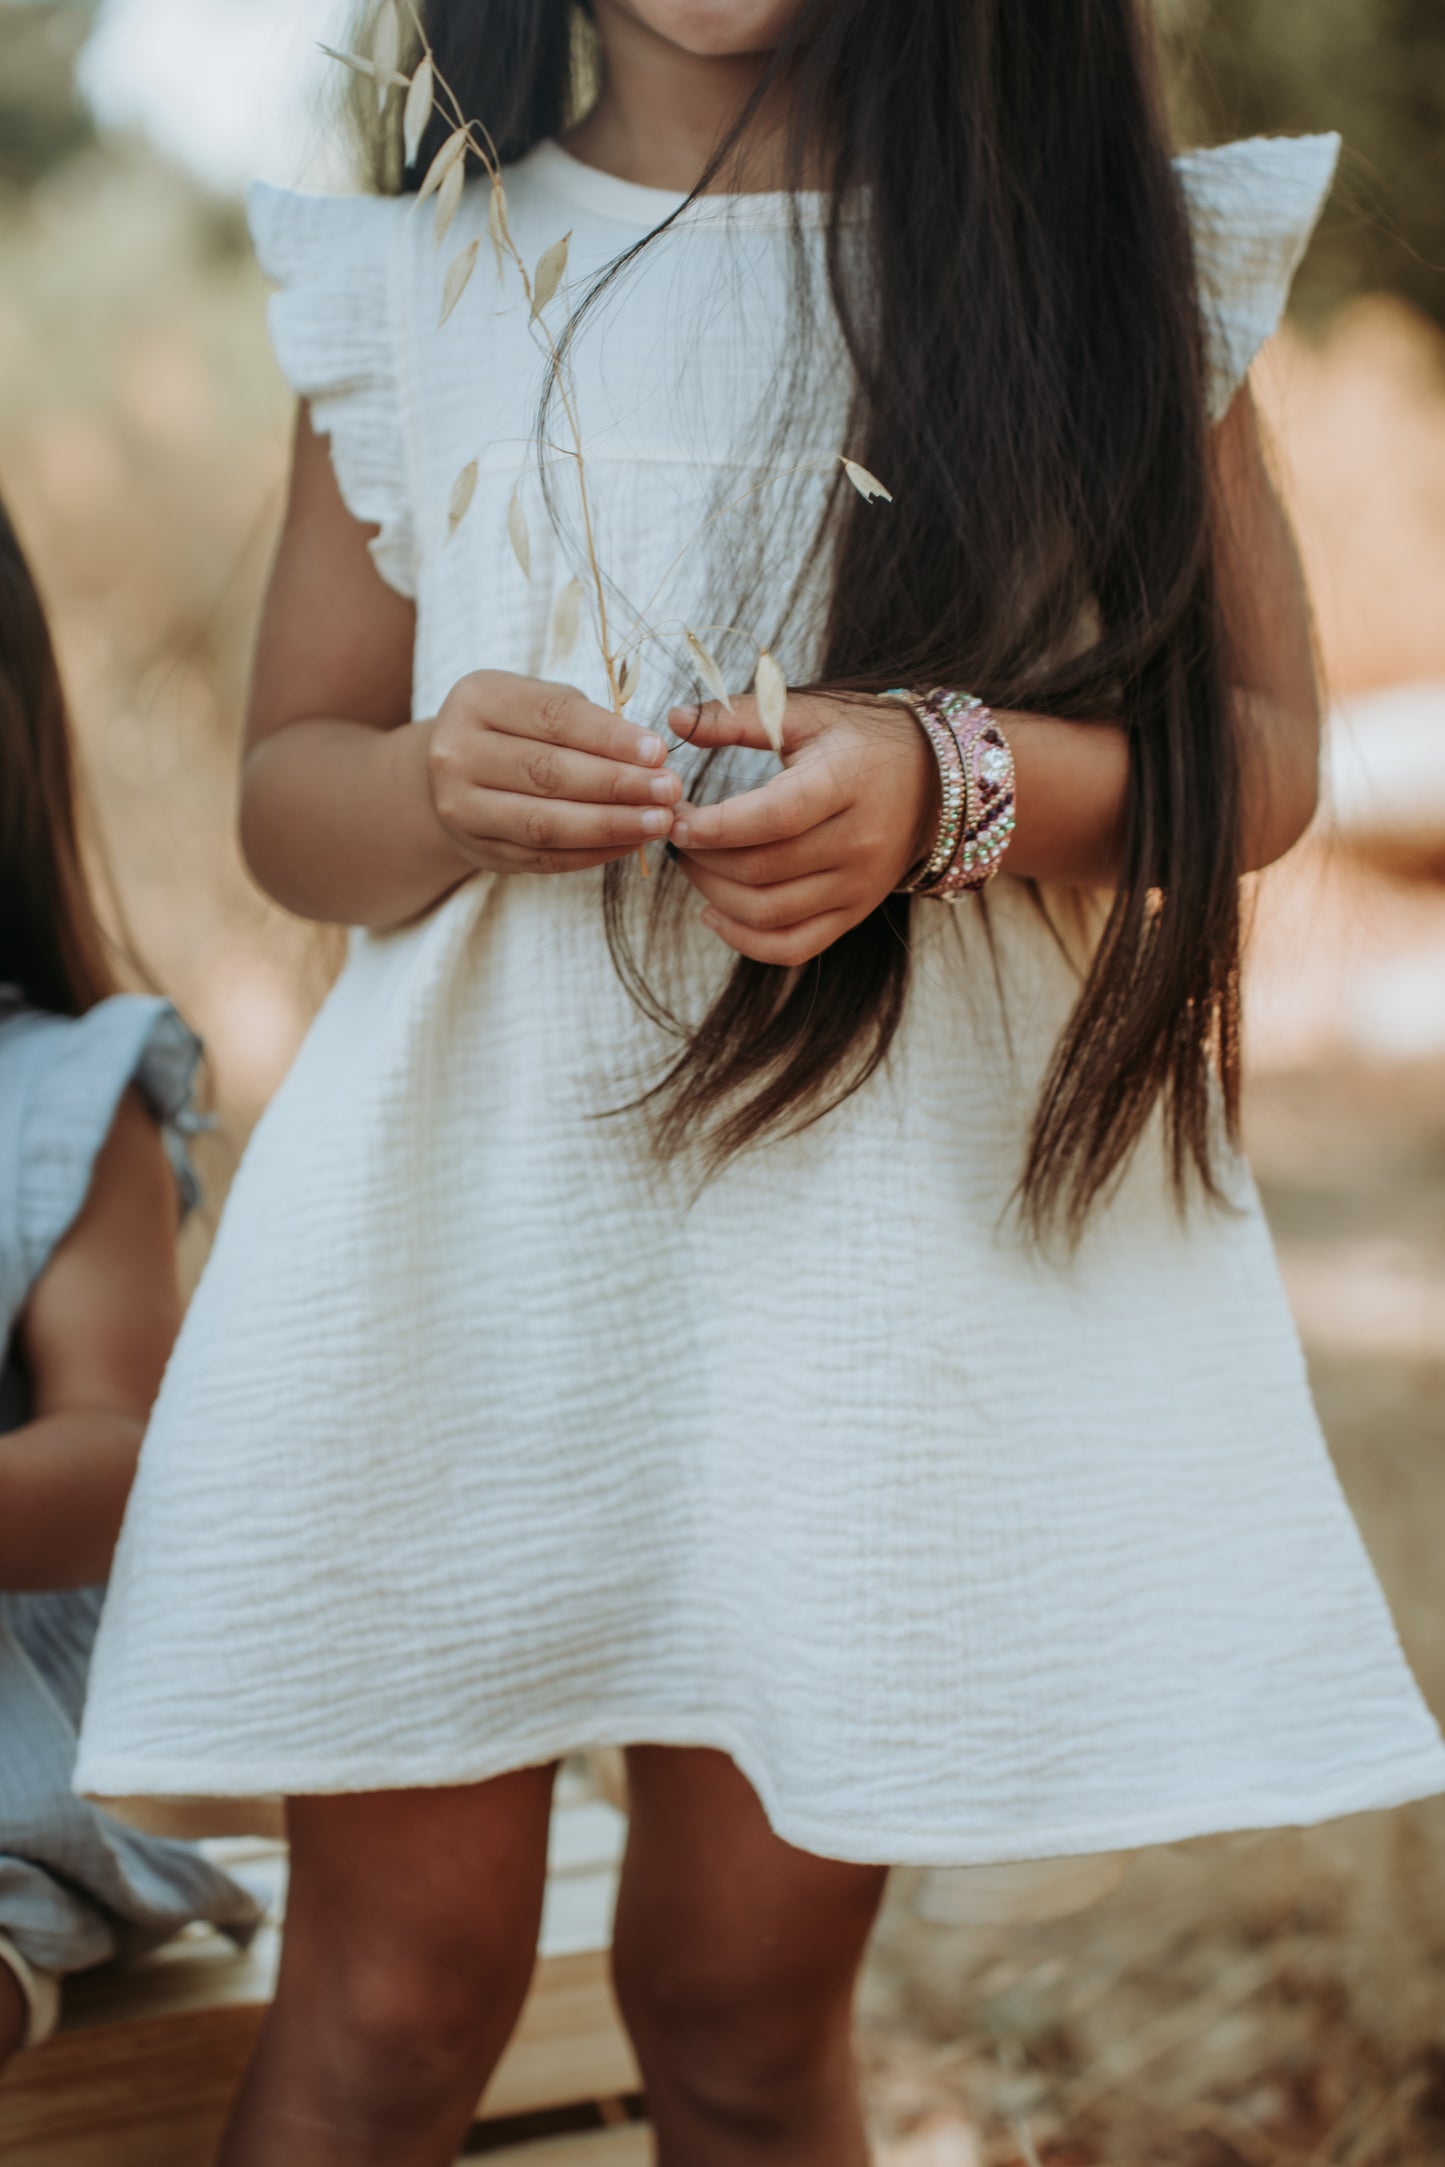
(51, 943)
(1009, 258)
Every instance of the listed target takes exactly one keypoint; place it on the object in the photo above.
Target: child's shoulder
(362, 284)
(354, 271)
(343, 269)
(300, 232)
(139, 1034)
(62, 1080)
(1253, 206)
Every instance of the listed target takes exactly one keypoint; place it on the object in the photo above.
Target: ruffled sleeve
(1253, 206)
(63, 1079)
(334, 328)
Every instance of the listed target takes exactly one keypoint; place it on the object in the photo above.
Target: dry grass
(1275, 2006)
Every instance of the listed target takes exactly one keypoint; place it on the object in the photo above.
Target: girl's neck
(662, 112)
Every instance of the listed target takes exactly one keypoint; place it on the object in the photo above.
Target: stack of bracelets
(976, 770)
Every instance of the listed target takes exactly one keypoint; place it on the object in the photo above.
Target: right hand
(531, 777)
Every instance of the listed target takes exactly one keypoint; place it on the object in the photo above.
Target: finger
(550, 825)
(530, 768)
(509, 858)
(559, 715)
(709, 723)
(786, 806)
(768, 910)
(813, 852)
(798, 944)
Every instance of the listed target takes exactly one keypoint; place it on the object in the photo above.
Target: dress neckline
(633, 204)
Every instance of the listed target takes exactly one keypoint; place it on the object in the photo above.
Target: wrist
(975, 794)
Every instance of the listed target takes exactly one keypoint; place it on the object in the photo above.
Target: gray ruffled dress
(76, 1887)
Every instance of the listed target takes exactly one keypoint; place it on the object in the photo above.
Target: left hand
(788, 867)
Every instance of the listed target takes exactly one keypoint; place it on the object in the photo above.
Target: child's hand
(785, 869)
(529, 777)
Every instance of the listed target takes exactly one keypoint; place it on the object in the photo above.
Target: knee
(751, 2048)
(404, 2038)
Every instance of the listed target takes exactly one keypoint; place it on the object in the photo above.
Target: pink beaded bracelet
(989, 792)
(976, 772)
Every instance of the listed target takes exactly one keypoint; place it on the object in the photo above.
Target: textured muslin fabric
(1252, 208)
(487, 1437)
(76, 1887)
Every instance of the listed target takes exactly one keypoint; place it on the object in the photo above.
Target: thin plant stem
(480, 141)
(733, 504)
(477, 141)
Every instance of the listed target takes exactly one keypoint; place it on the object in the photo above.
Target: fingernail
(656, 823)
(707, 918)
(670, 850)
(680, 833)
(650, 748)
(664, 788)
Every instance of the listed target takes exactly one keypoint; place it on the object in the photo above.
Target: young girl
(94, 1089)
(824, 1342)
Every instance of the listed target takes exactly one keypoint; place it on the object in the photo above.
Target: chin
(716, 28)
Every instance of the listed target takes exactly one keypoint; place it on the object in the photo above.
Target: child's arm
(95, 1337)
(787, 868)
(348, 816)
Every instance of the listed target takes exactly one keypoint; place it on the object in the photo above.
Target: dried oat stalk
(428, 94)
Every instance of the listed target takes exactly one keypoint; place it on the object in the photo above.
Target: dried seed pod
(707, 669)
(867, 485)
(464, 488)
(357, 62)
(518, 536)
(550, 271)
(449, 197)
(770, 690)
(459, 271)
(628, 679)
(566, 617)
(420, 98)
(385, 50)
(452, 151)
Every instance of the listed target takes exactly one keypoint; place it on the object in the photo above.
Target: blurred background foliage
(1374, 69)
(42, 118)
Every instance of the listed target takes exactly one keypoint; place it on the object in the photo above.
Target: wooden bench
(149, 2055)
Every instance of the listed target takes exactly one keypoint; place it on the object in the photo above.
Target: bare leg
(411, 1933)
(735, 1958)
(14, 2014)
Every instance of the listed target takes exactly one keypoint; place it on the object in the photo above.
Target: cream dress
(486, 1439)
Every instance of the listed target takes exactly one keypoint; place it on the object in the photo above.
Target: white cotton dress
(487, 1439)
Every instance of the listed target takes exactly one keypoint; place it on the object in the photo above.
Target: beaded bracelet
(976, 771)
(953, 813)
(989, 790)
(954, 807)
